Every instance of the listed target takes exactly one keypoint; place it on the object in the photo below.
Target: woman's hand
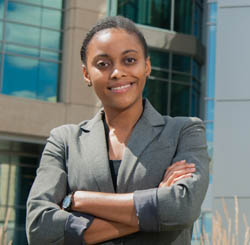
(178, 170)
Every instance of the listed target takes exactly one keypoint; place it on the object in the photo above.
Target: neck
(123, 120)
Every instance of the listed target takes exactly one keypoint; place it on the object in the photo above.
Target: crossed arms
(117, 215)
(116, 212)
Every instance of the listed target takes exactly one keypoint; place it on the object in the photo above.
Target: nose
(117, 73)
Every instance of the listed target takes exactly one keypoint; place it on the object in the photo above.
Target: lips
(121, 88)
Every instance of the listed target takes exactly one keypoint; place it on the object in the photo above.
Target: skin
(117, 69)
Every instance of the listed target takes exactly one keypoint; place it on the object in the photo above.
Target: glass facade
(184, 16)
(18, 163)
(31, 48)
(174, 84)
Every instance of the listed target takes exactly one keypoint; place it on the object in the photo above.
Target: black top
(113, 164)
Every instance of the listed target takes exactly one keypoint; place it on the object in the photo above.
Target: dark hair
(113, 22)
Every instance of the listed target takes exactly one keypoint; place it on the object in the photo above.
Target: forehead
(114, 39)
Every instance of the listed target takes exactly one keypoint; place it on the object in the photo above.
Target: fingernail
(183, 161)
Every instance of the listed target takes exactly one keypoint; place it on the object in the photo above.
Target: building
(41, 85)
(232, 118)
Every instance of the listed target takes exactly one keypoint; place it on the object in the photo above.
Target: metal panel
(233, 73)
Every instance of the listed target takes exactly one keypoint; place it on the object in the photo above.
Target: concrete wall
(232, 111)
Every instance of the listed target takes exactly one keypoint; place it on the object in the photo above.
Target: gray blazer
(76, 158)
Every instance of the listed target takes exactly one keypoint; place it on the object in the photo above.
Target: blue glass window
(50, 39)
(180, 100)
(157, 93)
(22, 50)
(32, 48)
(1, 8)
(182, 63)
(147, 12)
(1, 30)
(173, 89)
(22, 34)
(54, 4)
(183, 16)
(31, 79)
(24, 13)
(18, 163)
(51, 18)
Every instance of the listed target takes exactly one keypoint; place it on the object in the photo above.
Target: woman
(127, 176)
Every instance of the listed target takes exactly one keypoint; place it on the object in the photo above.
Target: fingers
(181, 165)
(177, 171)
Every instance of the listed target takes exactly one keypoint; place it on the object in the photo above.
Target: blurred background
(200, 53)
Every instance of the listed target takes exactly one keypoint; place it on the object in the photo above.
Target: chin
(125, 104)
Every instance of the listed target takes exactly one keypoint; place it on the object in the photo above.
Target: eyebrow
(124, 52)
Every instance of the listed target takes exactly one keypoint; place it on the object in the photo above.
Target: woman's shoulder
(182, 122)
(68, 130)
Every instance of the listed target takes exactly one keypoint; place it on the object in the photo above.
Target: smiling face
(117, 68)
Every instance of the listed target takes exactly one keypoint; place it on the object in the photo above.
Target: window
(18, 163)
(174, 84)
(184, 16)
(31, 48)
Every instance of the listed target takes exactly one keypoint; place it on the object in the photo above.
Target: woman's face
(117, 68)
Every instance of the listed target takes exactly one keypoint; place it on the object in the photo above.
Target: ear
(85, 74)
(148, 66)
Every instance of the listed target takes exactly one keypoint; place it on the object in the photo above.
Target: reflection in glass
(47, 83)
(1, 8)
(51, 18)
(195, 103)
(179, 100)
(22, 34)
(19, 147)
(197, 21)
(147, 12)
(182, 63)
(25, 170)
(50, 55)
(196, 69)
(31, 79)
(180, 77)
(1, 30)
(34, 1)
(183, 16)
(159, 58)
(54, 3)
(46, 3)
(22, 82)
(21, 50)
(50, 39)
(159, 73)
(17, 172)
(157, 94)
(4, 181)
(24, 13)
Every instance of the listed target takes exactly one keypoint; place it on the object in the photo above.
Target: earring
(89, 84)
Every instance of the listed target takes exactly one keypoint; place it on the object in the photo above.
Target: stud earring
(89, 84)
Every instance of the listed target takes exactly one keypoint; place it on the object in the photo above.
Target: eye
(130, 60)
(102, 64)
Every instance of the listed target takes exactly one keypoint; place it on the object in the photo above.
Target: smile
(121, 89)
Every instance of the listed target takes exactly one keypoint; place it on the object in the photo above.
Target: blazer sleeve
(46, 221)
(178, 206)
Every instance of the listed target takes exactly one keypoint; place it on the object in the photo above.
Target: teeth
(118, 88)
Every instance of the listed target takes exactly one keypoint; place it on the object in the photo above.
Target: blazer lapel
(145, 131)
(95, 150)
